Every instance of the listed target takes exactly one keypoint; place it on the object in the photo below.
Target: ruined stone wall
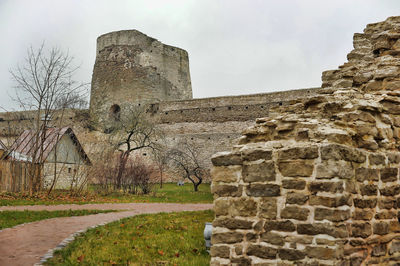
(317, 181)
(132, 68)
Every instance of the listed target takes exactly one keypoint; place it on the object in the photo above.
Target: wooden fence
(14, 176)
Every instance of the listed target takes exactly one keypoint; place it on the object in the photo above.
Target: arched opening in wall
(115, 112)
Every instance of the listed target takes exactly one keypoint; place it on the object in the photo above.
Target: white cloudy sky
(235, 46)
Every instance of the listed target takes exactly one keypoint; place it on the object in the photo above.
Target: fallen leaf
(177, 254)
(81, 257)
(161, 252)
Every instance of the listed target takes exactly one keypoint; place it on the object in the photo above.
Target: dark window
(115, 112)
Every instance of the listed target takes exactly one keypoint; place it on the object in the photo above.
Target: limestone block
(333, 187)
(379, 250)
(272, 238)
(389, 174)
(221, 206)
(362, 214)
(331, 201)
(263, 190)
(394, 247)
(331, 168)
(358, 116)
(385, 215)
(368, 174)
(296, 198)
(258, 171)
(243, 207)
(387, 203)
(369, 190)
(226, 174)
(381, 228)
(226, 238)
(232, 223)
(322, 228)
(226, 190)
(291, 254)
(283, 226)
(391, 85)
(298, 184)
(366, 129)
(296, 168)
(376, 159)
(294, 212)
(359, 53)
(391, 107)
(373, 85)
(268, 208)
(342, 83)
(308, 152)
(361, 41)
(365, 203)
(250, 153)
(363, 77)
(341, 152)
(333, 215)
(261, 251)
(220, 251)
(320, 253)
(387, 72)
(393, 190)
(363, 230)
(226, 158)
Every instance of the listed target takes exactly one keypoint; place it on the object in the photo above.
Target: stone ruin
(317, 181)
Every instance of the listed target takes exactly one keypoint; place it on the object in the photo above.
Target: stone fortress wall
(134, 69)
(316, 182)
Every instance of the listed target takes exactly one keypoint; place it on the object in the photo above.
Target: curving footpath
(26, 244)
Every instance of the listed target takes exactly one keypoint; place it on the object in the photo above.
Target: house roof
(24, 147)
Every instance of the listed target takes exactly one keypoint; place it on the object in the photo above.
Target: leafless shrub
(136, 177)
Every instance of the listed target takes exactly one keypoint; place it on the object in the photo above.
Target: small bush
(131, 176)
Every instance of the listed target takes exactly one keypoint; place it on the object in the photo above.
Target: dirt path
(24, 245)
(101, 206)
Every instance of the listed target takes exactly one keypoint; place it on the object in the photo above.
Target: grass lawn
(169, 193)
(156, 239)
(13, 218)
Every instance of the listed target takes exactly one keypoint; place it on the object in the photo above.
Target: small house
(57, 154)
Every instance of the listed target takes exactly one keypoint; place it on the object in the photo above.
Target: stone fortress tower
(133, 68)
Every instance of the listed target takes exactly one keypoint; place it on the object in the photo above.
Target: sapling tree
(185, 158)
(132, 131)
(43, 82)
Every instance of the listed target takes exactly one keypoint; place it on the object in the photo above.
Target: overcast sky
(235, 47)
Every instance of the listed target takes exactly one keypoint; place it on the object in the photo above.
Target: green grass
(156, 239)
(13, 218)
(169, 193)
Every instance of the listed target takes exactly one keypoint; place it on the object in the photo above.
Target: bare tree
(45, 77)
(186, 161)
(132, 131)
(160, 158)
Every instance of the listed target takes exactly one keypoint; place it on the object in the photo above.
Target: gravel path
(25, 245)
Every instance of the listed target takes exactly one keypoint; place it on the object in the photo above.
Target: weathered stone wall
(213, 123)
(132, 68)
(317, 181)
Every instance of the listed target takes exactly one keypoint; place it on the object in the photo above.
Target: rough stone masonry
(317, 181)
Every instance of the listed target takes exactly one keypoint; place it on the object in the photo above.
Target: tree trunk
(122, 164)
